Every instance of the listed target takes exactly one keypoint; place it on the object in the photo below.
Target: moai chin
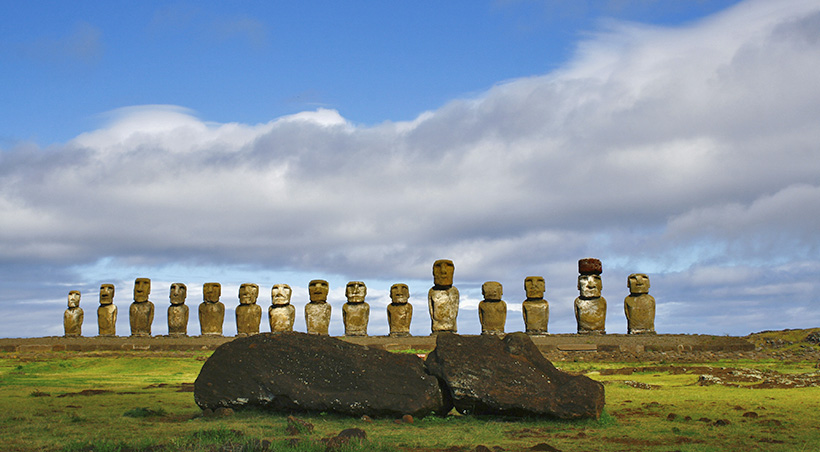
(639, 306)
(281, 313)
(356, 312)
(399, 311)
(442, 298)
(317, 312)
(73, 316)
(535, 308)
(492, 311)
(248, 313)
(107, 312)
(211, 310)
(590, 307)
(141, 313)
(178, 312)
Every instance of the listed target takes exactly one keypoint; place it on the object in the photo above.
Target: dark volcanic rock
(292, 372)
(488, 375)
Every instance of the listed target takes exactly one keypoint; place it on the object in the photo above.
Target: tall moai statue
(317, 312)
(211, 310)
(492, 311)
(535, 308)
(399, 311)
(442, 298)
(639, 306)
(356, 312)
(590, 307)
(248, 313)
(281, 313)
(141, 313)
(178, 312)
(73, 316)
(107, 312)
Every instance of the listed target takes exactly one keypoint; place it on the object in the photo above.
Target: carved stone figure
(248, 313)
(73, 316)
(107, 312)
(536, 309)
(178, 312)
(442, 298)
(141, 314)
(590, 307)
(639, 306)
(399, 311)
(356, 312)
(211, 310)
(492, 311)
(281, 313)
(317, 312)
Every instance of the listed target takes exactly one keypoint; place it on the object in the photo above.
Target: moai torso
(639, 306)
(492, 311)
(590, 307)
(536, 309)
(248, 313)
(178, 312)
(107, 312)
(73, 316)
(141, 313)
(399, 311)
(281, 313)
(211, 310)
(317, 312)
(356, 312)
(442, 298)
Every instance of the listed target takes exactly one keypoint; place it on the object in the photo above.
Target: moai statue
(442, 298)
(356, 312)
(107, 312)
(281, 313)
(248, 313)
(639, 306)
(141, 314)
(178, 312)
(211, 310)
(399, 311)
(317, 312)
(590, 307)
(73, 316)
(492, 311)
(536, 309)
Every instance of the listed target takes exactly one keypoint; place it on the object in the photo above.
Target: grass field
(142, 401)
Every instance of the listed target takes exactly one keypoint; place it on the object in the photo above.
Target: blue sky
(276, 143)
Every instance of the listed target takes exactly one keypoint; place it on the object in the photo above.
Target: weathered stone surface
(178, 312)
(211, 310)
(443, 298)
(141, 312)
(399, 311)
(536, 309)
(492, 311)
(73, 316)
(293, 372)
(356, 312)
(639, 306)
(107, 312)
(489, 375)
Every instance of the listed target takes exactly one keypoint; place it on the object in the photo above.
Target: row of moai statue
(442, 299)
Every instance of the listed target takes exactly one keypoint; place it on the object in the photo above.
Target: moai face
(318, 289)
(534, 286)
(248, 293)
(355, 292)
(142, 288)
(492, 290)
(74, 299)
(280, 294)
(443, 270)
(399, 293)
(211, 292)
(590, 286)
(179, 292)
(106, 294)
(638, 283)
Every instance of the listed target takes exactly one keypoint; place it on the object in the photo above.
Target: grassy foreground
(142, 401)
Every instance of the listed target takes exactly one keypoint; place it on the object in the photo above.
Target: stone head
(318, 289)
(638, 283)
(248, 293)
(443, 270)
(492, 290)
(211, 292)
(399, 293)
(280, 294)
(74, 299)
(142, 288)
(106, 294)
(590, 286)
(534, 286)
(355, 292)
(179, 292)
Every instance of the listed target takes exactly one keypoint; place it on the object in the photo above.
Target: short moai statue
(590, 306)
(536, 309)
(399, 311)
(356, 312)
(492, 311)
(211, 310)
(281, 313)
(178, 311)
(141, 313)
(442, 298)
(639, 306)
(317, 312)
(73, 316)
(107, 312)
(248, 313)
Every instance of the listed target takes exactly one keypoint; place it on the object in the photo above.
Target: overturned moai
(639, 306)
(73, 315)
